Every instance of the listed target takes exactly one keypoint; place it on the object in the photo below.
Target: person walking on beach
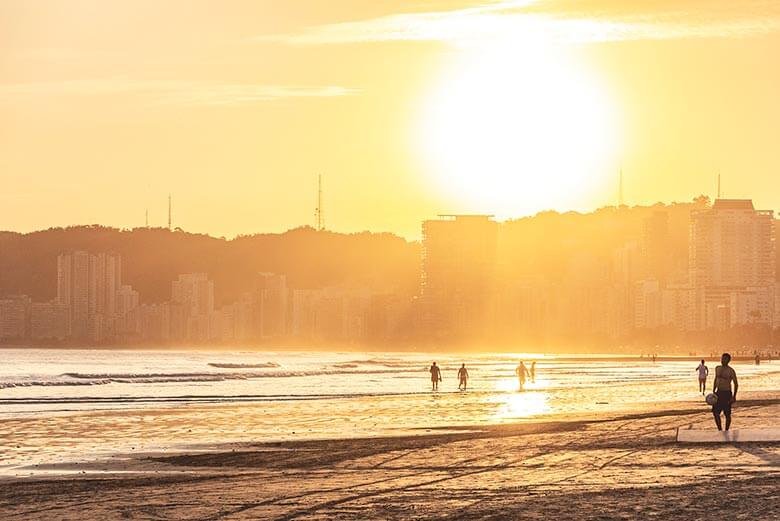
(724, 375)
(703, 372)
(533, 372)
(463, 377)
(522, 372)
(435, 377)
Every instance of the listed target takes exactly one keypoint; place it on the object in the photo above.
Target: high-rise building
(270, 305)
(14, 316)
(732, 262)
(87, 284)
(127, 301)
(731, 245)
(106, 281)
(49, 320)
(458, 274)
(73, 283)
(194, 292)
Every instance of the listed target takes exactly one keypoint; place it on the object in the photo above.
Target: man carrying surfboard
(724, 375)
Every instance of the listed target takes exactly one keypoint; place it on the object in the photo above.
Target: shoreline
(428, 350)
(604, 466)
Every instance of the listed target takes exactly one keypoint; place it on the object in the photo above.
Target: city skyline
(405, 109)
(674, 273)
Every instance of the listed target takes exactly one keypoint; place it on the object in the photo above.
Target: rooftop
(733, 204)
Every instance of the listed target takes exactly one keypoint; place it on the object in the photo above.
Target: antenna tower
(147, 217)
(318, 214)
(169, 211)
(718, 185)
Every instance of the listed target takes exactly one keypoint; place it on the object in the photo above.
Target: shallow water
(58, 405)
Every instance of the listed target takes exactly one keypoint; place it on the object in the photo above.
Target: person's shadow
(771, 458)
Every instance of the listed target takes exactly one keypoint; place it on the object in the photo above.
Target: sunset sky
(408, 108)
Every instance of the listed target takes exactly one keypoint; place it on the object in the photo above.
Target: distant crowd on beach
(523, 374)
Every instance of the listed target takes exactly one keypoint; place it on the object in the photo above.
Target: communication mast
(319, 217)
(169, 212)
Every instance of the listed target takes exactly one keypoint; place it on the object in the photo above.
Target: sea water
(67, 405)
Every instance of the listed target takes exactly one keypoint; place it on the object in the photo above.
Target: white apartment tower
(732, 264)
(87, 284)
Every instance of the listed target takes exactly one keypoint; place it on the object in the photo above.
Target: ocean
(66, 405)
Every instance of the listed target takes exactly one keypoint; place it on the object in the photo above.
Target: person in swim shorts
(703, 371)
(435, 377)
(724, 375)
(463, 377)
(522, 373)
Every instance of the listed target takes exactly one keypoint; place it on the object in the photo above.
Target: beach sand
(624, 467)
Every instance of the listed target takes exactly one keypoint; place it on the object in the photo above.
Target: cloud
(573, 21)
(173, 92)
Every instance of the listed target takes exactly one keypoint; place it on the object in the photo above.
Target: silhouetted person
(703, 372)
(533, 371)
(435, 377)
(463, 377)
(758, 359)
(522, 372)
(724, 375)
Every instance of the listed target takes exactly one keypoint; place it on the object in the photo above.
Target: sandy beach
(620, 467)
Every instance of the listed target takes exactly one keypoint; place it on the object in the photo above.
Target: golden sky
(408, 108)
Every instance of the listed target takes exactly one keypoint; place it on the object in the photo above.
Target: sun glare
(517, 128)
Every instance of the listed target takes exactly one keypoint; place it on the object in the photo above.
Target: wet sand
(624, 467)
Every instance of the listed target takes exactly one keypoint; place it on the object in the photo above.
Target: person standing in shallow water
(533, 372)
(522, 372)
(703, 372)
(463, 377)
(724, 375)
(435, 377)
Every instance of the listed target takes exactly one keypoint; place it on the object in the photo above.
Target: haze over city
(408, 109)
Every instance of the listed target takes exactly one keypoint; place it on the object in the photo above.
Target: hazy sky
(408, 108)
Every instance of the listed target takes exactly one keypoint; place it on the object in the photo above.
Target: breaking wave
(192, 377)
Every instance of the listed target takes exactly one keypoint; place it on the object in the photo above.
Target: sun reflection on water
(513, 404)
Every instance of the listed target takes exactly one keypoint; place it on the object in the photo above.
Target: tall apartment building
(458, 274)
(49, 320)
(270, 304)
(14, 316)
(732, 263)
(194, 293)
(127, 301)
(73, 283)
(87, 284)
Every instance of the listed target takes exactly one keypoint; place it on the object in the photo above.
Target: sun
(518, 127)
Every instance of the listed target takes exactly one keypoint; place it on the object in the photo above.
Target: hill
(153, 257)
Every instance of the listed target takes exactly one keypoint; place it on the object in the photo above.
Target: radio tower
(147, 217)
(169, 211)
(319, 217)
(718, 185)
